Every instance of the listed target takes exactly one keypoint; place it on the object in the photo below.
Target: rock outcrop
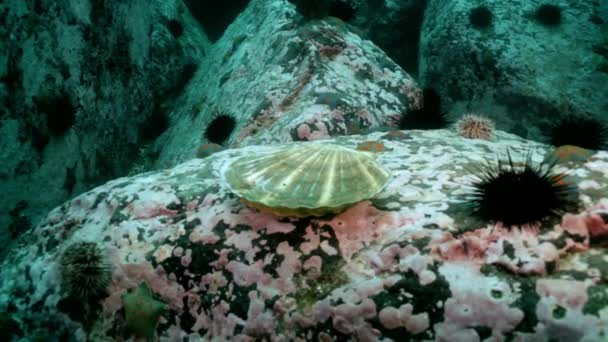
(516, 63)
(286, 79)
(410, 263)
(83, 86)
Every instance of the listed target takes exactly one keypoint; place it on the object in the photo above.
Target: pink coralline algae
(246, 275)
(561, 311)
(359, 226)
(590, 224)
(312, 130)
(212, 282)
(477, 300)
(351, 319)
(569, 294)
(130, 275)
(402, 259)
(529, 250)
(264, 221)
(328, 51)
(259, 320)
(393, 318)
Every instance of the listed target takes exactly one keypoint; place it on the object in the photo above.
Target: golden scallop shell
(306, 179)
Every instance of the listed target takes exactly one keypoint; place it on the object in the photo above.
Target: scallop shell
(306, 179)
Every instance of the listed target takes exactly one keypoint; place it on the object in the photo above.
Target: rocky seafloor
(410, 264)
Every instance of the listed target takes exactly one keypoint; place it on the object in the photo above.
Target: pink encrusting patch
(210, 214)
(478, 300)
(589, 224)
(530, 249)
(223, 258)
(130, 276)
(313, 240)
(570, 294)
(355, 309)
(259, 320)
(80, 209)
(351, 319)
(186, 259)
(264, 221)
(246, 275)
(242, 241)
(303, 132)
(521, 250)
(560, 310)
(359, 226)
(219, 323)
(596, 225)
(393, 318)
(312, 266)
(152, 203)
(290, 266)
(212, 282)
(399, 260)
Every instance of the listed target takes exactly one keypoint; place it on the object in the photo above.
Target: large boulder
(284, 78)
(83, 85)
(526, 64)
(190, 261)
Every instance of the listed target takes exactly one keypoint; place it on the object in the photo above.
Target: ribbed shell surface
(307, 176)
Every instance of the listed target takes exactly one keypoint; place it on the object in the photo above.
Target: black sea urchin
(85, 269)
(313, 9)
(579, 130)
(343, 10)
(480, 17)
(429, 116)
(548, 15)
(220, 128)
(520, 193)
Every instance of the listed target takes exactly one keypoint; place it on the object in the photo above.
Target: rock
(291, 80)
(96, 82)
(521, 73)
(80, 82)
(409, 263)
(393, 25)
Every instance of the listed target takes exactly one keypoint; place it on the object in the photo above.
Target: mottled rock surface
(89, 86)
(393, 25)
(408, 264)
(520, 72)
(286, 79)
(83, 85)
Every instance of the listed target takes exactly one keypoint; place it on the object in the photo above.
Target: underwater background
(303, 170)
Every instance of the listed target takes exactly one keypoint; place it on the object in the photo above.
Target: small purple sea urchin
(475, 127)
